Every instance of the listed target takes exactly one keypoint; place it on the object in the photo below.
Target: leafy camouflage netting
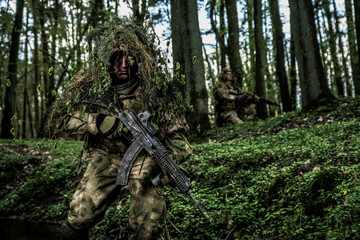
(120, 35)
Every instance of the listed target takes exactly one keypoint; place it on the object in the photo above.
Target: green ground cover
(295, 176)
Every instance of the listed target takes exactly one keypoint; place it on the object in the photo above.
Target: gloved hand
(109, 126)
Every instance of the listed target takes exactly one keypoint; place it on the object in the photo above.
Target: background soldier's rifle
(244, 98)
(143, 138)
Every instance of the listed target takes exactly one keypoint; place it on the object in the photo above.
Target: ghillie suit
(97, 188)
(232, 106)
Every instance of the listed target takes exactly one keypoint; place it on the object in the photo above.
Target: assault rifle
(143, 138)
(246, 98)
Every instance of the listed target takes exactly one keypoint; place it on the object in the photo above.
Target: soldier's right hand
(109, 126)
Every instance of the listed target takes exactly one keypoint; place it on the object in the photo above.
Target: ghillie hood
(222, 75)
(155, 80)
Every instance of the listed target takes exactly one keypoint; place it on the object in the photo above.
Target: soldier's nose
(123, 62)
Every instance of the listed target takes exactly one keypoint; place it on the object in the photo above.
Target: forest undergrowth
(295, 176)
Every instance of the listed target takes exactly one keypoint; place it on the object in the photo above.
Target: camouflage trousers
(240, 115)
(230, 117)
(97, 190)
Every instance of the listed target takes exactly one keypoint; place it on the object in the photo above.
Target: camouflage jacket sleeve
(175, 138)
(79, 123)
(222, 93)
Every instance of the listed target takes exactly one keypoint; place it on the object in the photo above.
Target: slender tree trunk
(280, 56)
(9, 107)
(293, 78)
(32, 130)
(79, 17)
(36, 68)
(25, 75)
(333, 51)
(314, 89)
(139, 10)
(352, 45)
(222, 33)
(342, 51)
(233, 42)
(250, 19)
(45, 54)
(212, 78)
(260, 59)
(191, 45)
(357, 26)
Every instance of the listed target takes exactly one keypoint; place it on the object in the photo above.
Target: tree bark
(314, 89)
(292, 74)
(233, 42)
(280, 56)
(260, 59)
(23, 136)
(222, 33)
(139, 10)
(250, 19)
(36, 68)
(342, 51)
(333, 51)
(352, 45)
(357, 26)
(9, 106)
(190, 44)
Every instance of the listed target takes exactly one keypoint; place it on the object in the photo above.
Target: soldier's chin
(122, 78)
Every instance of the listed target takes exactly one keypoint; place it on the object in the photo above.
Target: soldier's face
(125, 68)
(229, 76)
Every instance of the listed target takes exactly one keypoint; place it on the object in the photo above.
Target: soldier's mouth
(122, 73)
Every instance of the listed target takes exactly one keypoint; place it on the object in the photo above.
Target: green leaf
(39, 88)
(83, 110)
(77, 98)
(194, 59)
(53, 93)
(51, 71)
(8, 83)
(177, 66)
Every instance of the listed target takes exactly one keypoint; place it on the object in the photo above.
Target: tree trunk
(233, 42)
(219, 33)
(36, 68)
(352, 45)
(193, 63)
(342, 51)
(357, 27)
(260, 59)
(139, 10)
(333, 51)
(250, 19)
(280, 56)
(9, 106)
(314, 89)
(222, 33)
(292, 74)
(23, 136)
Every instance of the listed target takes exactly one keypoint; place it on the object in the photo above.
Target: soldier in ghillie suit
(123, 67)
(232, 106)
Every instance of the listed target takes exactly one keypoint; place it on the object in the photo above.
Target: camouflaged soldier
(130, 65)
(232, 106)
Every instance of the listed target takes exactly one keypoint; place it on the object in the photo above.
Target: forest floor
(291, 176)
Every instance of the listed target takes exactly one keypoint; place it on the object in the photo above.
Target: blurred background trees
(298, 53)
